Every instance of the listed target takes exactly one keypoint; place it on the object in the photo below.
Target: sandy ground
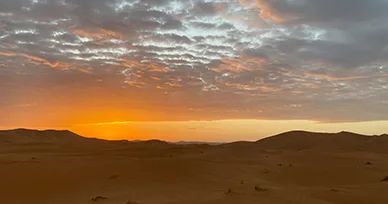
(158, 173)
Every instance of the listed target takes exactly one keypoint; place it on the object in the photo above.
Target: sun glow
(218, 130)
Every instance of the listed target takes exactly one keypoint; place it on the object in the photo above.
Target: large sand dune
(60, 167)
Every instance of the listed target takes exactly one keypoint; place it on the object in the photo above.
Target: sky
(214, 70)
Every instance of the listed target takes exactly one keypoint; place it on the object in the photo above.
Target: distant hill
(288, 141)
(342, 141)
(66, 138)
(196, 143)
(178, 143)
(40, 136)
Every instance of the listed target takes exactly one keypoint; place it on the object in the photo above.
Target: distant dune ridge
(342, 141)
(27, 135)
(292, 141)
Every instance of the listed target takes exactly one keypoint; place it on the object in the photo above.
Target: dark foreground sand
(55, 167)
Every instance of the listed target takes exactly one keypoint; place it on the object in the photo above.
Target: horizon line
(191, 141)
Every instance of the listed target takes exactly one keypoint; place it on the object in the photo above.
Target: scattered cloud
(274, 59)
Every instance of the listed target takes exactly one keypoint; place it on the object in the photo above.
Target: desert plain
(61, 167)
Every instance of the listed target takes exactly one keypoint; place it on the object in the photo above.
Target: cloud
(321, 10)
(199, 59)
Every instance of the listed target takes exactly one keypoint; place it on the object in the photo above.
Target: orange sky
(111, 118)
(220, 131)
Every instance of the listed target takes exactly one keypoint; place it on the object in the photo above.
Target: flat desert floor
(91, 171)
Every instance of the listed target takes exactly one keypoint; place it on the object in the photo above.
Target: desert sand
(60, 167)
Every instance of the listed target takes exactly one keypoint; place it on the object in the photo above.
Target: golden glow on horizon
(218, 130)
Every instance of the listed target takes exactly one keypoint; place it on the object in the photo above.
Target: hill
(342, 141)
(288, 141)
(39, 136)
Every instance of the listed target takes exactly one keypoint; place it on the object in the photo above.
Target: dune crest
(292, 141)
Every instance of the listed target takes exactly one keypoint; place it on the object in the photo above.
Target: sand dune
(342, 141)
(60, 167)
